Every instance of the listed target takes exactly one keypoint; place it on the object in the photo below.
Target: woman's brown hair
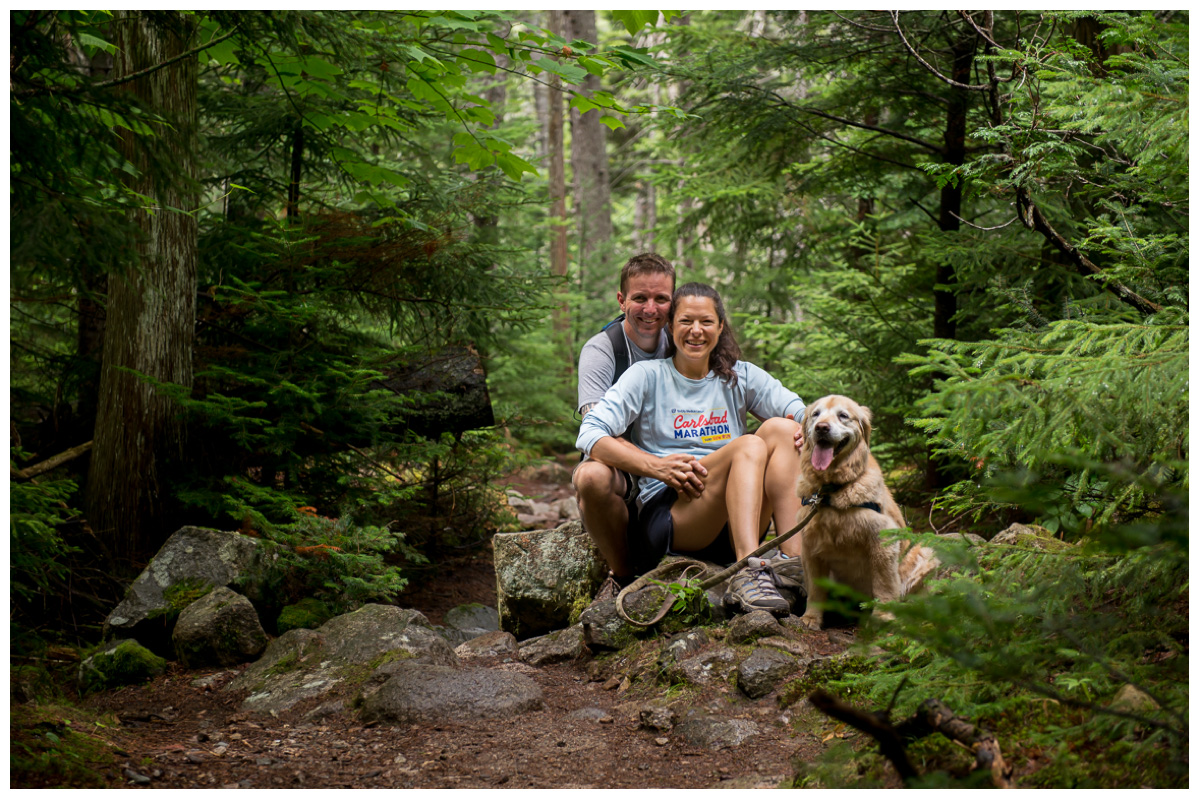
(727, 352)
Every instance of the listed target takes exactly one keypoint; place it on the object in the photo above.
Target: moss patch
(127, 663)
(61, 747)
(309, 613)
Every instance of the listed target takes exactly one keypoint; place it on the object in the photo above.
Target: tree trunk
(152, 307)
(945, 301)
(558, 204)
(589, 164)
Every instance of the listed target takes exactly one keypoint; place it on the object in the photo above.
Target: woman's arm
(682, 472)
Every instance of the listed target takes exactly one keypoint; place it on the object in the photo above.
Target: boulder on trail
(763, 670)
(465, 622)
(119, 664)
(544, 578)
(403, 692)
(190, 564)
(218, 630)
(303, 664)
(715, 732)
(564, 645)
(489, 644)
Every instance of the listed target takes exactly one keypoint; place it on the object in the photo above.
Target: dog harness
(830, 489)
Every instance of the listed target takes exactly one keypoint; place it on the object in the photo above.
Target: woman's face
(695, 328)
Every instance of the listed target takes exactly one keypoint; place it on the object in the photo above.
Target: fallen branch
(932, 716)
(51, 463)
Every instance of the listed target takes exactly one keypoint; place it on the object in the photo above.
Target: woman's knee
(751, 447)
(778, 429)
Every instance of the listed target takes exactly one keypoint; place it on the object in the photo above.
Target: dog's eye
(816, 413)
(843, 415)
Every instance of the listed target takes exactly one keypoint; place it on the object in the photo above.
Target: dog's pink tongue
(822, 457)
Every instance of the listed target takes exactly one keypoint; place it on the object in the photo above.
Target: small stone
(220, 749)
(194, 756)
(234, 737)
(611, 683)
(263, 761)
(137, 777)
(399, 759)
(606, 720)
(662, 741)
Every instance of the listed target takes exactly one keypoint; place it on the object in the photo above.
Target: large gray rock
(763, 670)
(713, 732)
(218, 630)
(603, 628)
(682, 646)
(465, 622)
(543, 578)
(404, 692)
(713, 666)
(1033, 537)
(303, 664)
(489, 644)
(192, 562)
(755, 625)
(564, 645)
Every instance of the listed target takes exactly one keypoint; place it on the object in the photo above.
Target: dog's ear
(864, 421)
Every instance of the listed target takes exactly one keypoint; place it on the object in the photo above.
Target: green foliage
(56, 746)
(1033, 645)
(37, 551)
(691, 606)
(338, 563)
(1097, 413)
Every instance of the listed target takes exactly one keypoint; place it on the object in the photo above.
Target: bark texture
(589, 163)
(152, 307)
(558, 199)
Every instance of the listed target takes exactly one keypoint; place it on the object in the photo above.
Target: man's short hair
(646, 264)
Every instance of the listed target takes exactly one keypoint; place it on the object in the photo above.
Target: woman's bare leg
(782, 475)
(733, 493)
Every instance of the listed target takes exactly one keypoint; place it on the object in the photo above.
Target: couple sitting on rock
(669, 467)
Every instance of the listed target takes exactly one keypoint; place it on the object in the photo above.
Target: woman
(688, 409)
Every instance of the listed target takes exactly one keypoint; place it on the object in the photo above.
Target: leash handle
(644, 580)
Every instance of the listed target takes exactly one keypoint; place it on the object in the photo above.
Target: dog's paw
(811, 622)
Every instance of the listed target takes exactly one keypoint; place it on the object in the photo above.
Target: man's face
(645, 302)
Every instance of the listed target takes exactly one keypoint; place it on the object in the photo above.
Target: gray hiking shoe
(789, 571)
(753, 588)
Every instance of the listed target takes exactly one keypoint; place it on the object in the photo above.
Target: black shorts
(652, 532)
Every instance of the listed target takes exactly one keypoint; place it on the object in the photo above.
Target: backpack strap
(616, 335)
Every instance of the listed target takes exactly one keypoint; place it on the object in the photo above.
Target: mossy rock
(309, 613)
(1031, 537)
(120, 663)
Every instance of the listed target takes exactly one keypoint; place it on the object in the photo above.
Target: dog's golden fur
(843, 541)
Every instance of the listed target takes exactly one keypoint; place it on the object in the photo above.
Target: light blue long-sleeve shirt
(668, 413)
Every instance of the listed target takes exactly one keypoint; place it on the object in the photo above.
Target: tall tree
(589, 161)
(558, 198)
(151, 309)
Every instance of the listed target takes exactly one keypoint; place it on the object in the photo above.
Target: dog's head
(834, 426)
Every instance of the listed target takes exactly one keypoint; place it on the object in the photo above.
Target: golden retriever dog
(842, 541)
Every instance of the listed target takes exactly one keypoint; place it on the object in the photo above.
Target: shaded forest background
(236, 237)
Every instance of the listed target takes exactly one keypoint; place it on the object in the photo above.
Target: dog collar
(829, 489)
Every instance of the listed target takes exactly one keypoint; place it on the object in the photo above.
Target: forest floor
(171, 733)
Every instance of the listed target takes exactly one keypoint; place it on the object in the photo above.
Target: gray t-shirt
(597, 364)
(667, 413)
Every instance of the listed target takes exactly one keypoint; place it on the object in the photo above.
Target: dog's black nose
(822, 426)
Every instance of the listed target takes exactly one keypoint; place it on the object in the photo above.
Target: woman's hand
(682, 472)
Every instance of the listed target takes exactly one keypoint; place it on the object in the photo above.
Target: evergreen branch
(1032, 217)
(984, 87)
(895, 134)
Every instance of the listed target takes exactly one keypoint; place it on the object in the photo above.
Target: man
(606, 495)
